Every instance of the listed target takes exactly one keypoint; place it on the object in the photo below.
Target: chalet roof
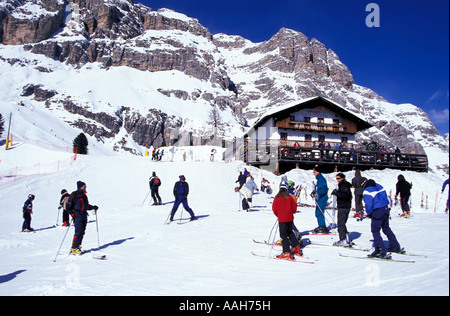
(312, 103)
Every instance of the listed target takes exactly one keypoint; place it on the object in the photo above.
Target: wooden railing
(307, 153)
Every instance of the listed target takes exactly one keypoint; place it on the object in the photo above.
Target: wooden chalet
(314, 131)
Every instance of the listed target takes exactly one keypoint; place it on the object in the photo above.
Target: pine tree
(80, 144)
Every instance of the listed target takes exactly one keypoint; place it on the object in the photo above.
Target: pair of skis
(368, 250)
(297, 258)
(343, 255)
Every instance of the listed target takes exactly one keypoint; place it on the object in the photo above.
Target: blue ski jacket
(322, 189)
(375, 197)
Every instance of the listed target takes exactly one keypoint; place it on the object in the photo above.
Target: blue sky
(405, 59)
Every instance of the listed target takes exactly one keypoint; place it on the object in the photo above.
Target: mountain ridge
(189, 73)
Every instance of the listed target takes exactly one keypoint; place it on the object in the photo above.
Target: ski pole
(181, 215)
(323, 213)
(64, 238)
(145, 199)
(96, 223)
(57, 217)
(273, 240)
(270, 235)
(167, 217)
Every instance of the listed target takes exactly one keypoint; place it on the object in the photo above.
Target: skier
(344, 203)
(377, 208)
(78, 205)
(154, 184)
(181, 191)
(320, 194)
(62, 205)
(247, 192)
(443, 188)
(284, 207)
(241, 180)
(404, 189)
(356, 183)
(27, 211)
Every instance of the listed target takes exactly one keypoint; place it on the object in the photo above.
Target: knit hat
(80, 184)
(317, 168)
(368, 183)
(182, 177)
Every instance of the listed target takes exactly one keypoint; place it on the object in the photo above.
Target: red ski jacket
(284, 209)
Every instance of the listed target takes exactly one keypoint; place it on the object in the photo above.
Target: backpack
(156, 181)
(70, 204)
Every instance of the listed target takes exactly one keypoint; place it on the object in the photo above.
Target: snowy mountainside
(133, 78)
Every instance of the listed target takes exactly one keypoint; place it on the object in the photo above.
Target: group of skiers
(74, 205)
(374, 196)
(377, 207)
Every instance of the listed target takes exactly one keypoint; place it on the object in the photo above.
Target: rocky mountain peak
(230, 73)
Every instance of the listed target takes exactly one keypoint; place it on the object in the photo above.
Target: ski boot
(297, 251)
(379, 254)
(76, 251)
(286, 256)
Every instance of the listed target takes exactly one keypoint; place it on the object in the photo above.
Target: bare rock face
(25, 25)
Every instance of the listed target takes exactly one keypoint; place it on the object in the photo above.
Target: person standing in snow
(27, 211)
(241, 180)
(247, 192)
(284, 207)
(78, 204)
(377, 208)
(357, 184)
(62, 205)
(443, 188)
(320, 195)
(154, 184)
(181, 191)
(404, 189)
(344, 203)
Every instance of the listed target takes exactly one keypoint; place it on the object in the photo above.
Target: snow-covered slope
(211, 256)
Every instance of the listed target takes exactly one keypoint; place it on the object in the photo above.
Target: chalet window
(320, 120)
(321, 138)
(307, 119)
(292, 117)
(308, 137)
(344, 139)
(283, 136)
(336, 122)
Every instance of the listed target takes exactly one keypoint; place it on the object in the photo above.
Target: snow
(208, 257)
(211, 256)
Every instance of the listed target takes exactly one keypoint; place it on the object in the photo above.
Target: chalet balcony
(289, 154)
(313, 127)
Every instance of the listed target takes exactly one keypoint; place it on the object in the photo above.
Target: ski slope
(211, 256)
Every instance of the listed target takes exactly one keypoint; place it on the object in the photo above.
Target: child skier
(284, 207)
(27, 211)
(62, 205)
